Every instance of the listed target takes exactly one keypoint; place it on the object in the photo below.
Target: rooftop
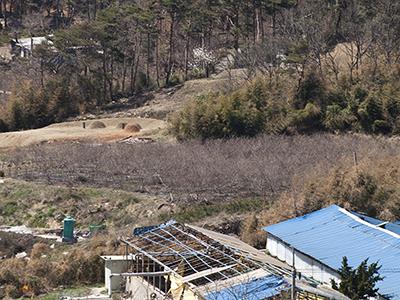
(208, 267)
(331, 233)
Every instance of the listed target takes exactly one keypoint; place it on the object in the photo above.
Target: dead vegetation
(12, 244)
(49, 268)
(371, 187)
(196, 172)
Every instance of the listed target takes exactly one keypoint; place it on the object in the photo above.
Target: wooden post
(84, 125)
(355, 158)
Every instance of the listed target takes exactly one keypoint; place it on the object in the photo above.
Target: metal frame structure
(198, 260)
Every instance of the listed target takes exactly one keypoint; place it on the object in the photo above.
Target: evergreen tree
(359, 283)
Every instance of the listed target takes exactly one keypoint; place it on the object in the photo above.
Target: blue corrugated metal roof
(329, 234)
(393, 227)
(256, 289)
(368, 219)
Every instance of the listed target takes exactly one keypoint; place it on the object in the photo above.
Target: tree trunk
(132, 71)
(135, 64)
(95, 9)
(236, 33)
(171, 49)
(41, 73)
(148, 60)
(111, 79)
(273, 20)
(1, 12)
(157, 61)
(123, 74)
(88, 9)
(4, 12)
(261, 16)
(187, 44)
(104, 77)
(58, 14)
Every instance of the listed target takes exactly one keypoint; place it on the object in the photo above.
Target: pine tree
(359, 283)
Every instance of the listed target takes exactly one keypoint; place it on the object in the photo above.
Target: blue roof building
(321, 239)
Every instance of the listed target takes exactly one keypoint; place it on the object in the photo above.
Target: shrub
(251, 232)
(3, 126)
(338, 119)
(312, 89)
(307, 120)
(370, 110)
(32, 107)
(38, 250)
(241, 113)
(381, 126)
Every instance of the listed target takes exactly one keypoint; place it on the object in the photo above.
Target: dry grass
(371, 187)
(74, 132)
(48, 268)
(166, 102)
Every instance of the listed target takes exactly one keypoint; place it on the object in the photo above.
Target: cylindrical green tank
(68, 231)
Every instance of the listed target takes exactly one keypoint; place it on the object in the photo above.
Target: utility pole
(293, 295)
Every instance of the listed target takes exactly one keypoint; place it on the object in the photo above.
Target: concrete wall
(114, 266)
(139, 289)
(303, 263)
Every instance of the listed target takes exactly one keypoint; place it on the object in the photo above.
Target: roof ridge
(361, 221)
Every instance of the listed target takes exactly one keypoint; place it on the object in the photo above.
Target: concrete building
(317, 243)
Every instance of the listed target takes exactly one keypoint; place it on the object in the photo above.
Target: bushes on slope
(369, 107)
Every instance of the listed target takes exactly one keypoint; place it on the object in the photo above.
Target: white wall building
(317, 242)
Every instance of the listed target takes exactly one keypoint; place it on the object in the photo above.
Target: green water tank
(68, 231)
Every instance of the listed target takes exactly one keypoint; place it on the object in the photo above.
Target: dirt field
(74, 131)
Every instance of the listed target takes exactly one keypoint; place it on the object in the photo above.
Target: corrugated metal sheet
(331, 233)
(256, 289)
(393, 227)
(370, 220)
